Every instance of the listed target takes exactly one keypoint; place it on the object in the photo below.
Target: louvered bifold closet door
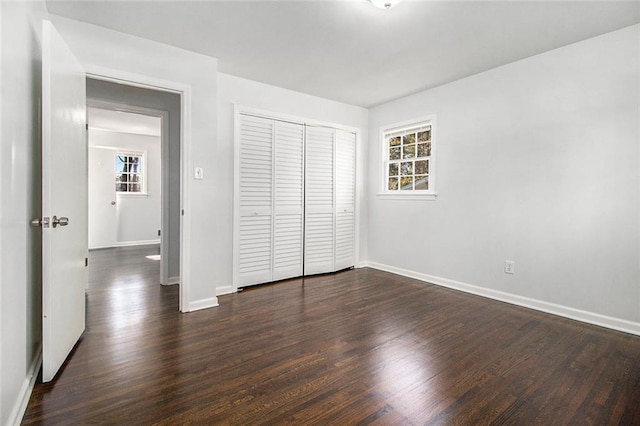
(288, 200)
(319, 200)
(255, 242)
(345, 199)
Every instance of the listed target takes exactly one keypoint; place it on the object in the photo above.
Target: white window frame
(385, 193)
(143, 172)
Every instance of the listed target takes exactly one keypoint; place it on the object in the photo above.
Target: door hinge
(182, 212)
(86, 126)
(86, 262)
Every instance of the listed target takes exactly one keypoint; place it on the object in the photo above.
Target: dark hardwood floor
(357, 347)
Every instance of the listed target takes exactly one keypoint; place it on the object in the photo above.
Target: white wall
(234, 90)
(99, 48)
(20, 188)
(538, 162)
(138, 216)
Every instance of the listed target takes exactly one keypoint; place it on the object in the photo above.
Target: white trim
(538, 305)
(136, 243)
(185, 201)
(184, 90)
(429, 194)
(359, 174)
(236, 199)
(243, 110)
(132, 194)
(172, 281)
(127, 244)
(227, 289)
(272, 115)
(197, 305)
(408, 195)
(20, 406)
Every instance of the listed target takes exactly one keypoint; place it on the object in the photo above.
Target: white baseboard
(203, 304)
(227, 289)
(20, 406)
(172, 281)
(136, 243)
(128, 244)
(538, 305)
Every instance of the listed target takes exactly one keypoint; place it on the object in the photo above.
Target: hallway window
(129, 172)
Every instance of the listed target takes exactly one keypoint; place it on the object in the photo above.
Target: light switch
(198, 173)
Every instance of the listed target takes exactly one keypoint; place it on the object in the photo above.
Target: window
(408, 159)
(129, 172)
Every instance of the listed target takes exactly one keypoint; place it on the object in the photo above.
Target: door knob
(113, 203)
(62, 221)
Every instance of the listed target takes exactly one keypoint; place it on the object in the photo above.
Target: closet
(295, 200)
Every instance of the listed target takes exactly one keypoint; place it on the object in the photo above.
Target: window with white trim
(408, 159)
(129, 172)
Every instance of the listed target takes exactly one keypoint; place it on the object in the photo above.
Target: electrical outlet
(509, 267)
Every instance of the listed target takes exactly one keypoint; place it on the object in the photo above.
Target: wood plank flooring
(357, 347)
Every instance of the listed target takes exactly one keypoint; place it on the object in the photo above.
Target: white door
(319, 234)
(288, 200)
(102, 198)
(345, 199)
(255, 243)
(64, 199)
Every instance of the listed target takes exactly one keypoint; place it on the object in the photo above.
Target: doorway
(143, 107)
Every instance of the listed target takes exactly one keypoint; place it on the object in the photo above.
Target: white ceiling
(349, 51)
(123, 122)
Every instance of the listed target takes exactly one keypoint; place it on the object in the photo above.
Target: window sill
(132, 194)
(406, 196)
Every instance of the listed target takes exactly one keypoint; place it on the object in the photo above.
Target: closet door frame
(238, 110)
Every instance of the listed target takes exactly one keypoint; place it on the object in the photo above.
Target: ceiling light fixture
(385, 4)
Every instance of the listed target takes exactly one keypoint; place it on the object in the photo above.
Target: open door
(102, 198)
(64, 201)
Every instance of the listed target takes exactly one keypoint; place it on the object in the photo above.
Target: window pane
(135, 187)
(120, 164)
(422, 183)
(424, 149)
(393, 184)
(409, 151)
(134, 178)
(424, 136)
(393, 169)
(422, 167)
(406, 168)
(394, 141)
(409, 139)
(394, 153)
(406, 183)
